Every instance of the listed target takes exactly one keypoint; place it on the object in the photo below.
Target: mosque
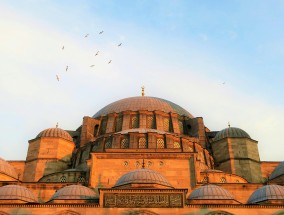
(142, 155)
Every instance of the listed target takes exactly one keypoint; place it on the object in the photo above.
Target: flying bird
(62, 47)
(97, 53)
(66, 68)
(119, 44)
(101, 32)
(92, 65)
(224, 83)
(86, 35)
(109, 62)
(57, 77)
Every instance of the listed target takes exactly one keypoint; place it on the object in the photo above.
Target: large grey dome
(142, 103)
(142, 176)
(267, 192)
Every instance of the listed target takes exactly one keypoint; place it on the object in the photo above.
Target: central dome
(142, 103)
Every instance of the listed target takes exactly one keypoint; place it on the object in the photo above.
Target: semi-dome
(231, 132)
(16, 192)
(279, 170)
(7, 169)
(55, 132)
(267, 192)
(74, 192)
(142, 176)
(142, 103)
(210, 191)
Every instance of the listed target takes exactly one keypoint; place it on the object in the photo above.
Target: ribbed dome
(142, 103)
(279, 170)
(267, 192)
(16, 192)
(74, 192)
(231, 132)
(142, 176)
(7, 169)
(55, 132)
(210, 191)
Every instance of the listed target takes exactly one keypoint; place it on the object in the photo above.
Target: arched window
(108, 144)
(223, 180)
(118, 123)
(176, 145)
(96, 128)
(142, 143)
(103, 125)
(160, 143)
(166, 124)
(150, 122)
(180, 124)
(62, 179)
(124, 143)
(135, 121)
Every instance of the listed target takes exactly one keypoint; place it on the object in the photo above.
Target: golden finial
(143, 88)
(229, 124)
(57, 125)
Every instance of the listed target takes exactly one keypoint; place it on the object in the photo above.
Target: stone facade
(154, 139)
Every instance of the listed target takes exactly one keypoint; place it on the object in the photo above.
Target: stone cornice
(145, 155)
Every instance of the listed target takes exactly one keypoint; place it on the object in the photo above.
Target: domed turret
(143, 177)
(55, 132)
(16, 193)
(231, 132)
(235, 152)
(7, 169)
(267, 193)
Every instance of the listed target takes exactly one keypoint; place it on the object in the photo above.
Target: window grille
(150, 123)
(124, 143)
(166, 124)
(176, 145)
(118, 124)
(135, 122)
(180, 124)
(160, 143)
(142, 143)
(62, 179)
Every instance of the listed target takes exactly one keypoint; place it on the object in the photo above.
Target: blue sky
(182, 51)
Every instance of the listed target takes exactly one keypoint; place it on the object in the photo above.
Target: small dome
(231, 132)
(142, 176)
(279, 170)
(210, 191)
(267, 192)
(7, 169)
(142, 103)
(74, 192)
(16, 192)
(55, 132)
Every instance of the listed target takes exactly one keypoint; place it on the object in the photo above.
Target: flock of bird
(97, 53)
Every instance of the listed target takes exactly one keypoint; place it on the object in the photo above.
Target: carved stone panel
(147, 200)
